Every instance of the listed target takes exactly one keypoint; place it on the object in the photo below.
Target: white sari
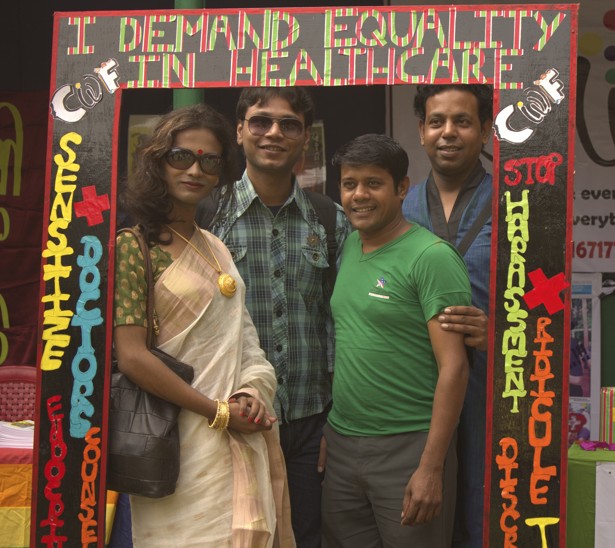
(232, 489)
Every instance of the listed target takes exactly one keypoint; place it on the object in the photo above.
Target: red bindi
(199, 152)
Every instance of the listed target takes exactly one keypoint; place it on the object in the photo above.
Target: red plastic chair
(17, 392)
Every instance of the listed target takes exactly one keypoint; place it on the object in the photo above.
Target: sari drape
(231, 490)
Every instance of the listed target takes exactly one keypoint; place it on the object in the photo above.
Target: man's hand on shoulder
(472, 322)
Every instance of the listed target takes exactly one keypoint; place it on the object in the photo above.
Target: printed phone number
(592, 250)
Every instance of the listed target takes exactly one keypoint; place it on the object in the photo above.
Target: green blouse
(130, 297)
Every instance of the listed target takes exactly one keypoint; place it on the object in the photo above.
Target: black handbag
(143, 446)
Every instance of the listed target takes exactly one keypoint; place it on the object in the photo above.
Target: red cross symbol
(546, 291)
(92, 205)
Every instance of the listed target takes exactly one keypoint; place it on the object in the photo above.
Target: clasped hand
(249, 415)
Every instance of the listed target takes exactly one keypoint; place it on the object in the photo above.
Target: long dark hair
(145, 196)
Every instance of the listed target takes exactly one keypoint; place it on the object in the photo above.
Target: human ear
(239, 133)
(403, 186)
(486, 130)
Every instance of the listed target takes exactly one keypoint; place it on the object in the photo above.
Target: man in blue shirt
(455, 203)
(279, 245)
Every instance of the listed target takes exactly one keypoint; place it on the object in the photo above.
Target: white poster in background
(594, 183)
(584, 379)
(311, 170)
(604, 526)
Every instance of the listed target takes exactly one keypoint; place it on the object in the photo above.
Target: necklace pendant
(227, 285)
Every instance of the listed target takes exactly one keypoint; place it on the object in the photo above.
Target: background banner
(23, 132)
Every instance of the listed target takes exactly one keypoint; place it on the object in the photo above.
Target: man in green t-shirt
(400, 379)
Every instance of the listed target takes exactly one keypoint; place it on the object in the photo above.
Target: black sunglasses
(261, 125)
(181, 158)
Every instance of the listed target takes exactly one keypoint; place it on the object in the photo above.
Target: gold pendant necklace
(226, 283)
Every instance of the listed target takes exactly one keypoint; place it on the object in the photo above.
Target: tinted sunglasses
(181, 158)
(261, 125)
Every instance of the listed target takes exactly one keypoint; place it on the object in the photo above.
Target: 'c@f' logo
(71, 101)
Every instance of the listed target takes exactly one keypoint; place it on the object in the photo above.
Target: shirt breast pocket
(239, 255)
(238, 252)
(312, 273)
(315, 257)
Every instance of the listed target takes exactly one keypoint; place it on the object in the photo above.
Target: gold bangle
(223, 416)
(226, 415)
(214, 424)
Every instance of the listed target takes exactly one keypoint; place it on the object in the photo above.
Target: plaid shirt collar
(246, 195)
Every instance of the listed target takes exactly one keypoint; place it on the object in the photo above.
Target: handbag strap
(149, 278)
(471, 234)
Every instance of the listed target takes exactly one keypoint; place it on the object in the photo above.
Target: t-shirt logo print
(379, 287)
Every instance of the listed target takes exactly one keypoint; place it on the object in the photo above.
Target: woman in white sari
(231, 490)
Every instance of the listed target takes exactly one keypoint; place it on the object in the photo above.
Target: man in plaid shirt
(280, 248)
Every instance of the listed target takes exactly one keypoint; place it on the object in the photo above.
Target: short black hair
(482, 92)
(298, 98)
(376, 150)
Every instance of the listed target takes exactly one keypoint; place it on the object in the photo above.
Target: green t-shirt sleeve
(443, 280)
(130, 296)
